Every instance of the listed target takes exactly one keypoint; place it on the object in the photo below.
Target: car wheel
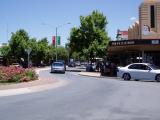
(158, 78)
(126, 76)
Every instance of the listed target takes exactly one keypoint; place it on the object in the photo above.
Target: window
(139, 67)
(134, 66)
(143, 67)
(152, 16)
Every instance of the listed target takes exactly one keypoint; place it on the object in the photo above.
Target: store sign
(119, 43)
(135, 42)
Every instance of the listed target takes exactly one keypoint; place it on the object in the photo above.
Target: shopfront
(131, 51)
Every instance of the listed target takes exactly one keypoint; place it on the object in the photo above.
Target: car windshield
(154, 67)
(57, 64)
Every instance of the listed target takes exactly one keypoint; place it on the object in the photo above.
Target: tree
(62, 53)
(41, 50)
(91, 37)
(5, 52)
(18, 44)
(42, 46)
(76, 56)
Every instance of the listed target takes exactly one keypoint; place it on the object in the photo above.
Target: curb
(90, 74)
(34, 88)
(38, 88)
(74, 70)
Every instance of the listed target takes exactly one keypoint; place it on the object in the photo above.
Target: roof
(123, 32)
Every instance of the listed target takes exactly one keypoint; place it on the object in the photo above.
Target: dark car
(78, 63)
(89, 68)
(71, 64)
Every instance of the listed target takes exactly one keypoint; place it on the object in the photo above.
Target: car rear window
(58, 64)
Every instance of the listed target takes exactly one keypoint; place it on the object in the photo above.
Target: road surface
(86, 98)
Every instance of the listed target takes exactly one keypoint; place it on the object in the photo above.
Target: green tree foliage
(62, 53)
(41, 50)
(18, 43)
(91, 37)
(6, 53)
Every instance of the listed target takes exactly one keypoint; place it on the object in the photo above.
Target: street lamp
(56, 33)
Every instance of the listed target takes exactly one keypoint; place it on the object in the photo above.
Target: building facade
(148, 26)
(134, 31)
(143, 44)
(149, 19)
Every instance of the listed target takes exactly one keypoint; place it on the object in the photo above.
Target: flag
(53, 40)
(58, 40)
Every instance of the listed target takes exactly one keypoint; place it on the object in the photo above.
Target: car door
(143, 72)
(133, 71)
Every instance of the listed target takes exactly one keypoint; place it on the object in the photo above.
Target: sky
(41, 17)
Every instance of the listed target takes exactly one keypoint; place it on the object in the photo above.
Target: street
(86, 98)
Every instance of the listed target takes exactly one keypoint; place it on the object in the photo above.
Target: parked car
(138, 71)
(15, 65)
(58, 67)
(71, 64)
(78, 63)
(90, 67)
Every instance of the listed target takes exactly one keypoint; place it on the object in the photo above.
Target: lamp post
(56, 43)
(68, 51)
(56, 33)
(57, 36)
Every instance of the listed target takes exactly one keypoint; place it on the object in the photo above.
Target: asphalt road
(86, 98)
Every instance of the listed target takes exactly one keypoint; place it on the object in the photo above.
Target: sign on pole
(53, 40)
(56, 40)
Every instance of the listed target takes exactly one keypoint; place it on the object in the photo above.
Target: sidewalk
(95, 74)
(33, 86)
(90, 74)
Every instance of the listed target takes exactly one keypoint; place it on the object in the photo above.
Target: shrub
(31, 74)
(17, 74)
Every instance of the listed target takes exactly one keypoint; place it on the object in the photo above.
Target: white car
(58, 67)
(139, 71)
